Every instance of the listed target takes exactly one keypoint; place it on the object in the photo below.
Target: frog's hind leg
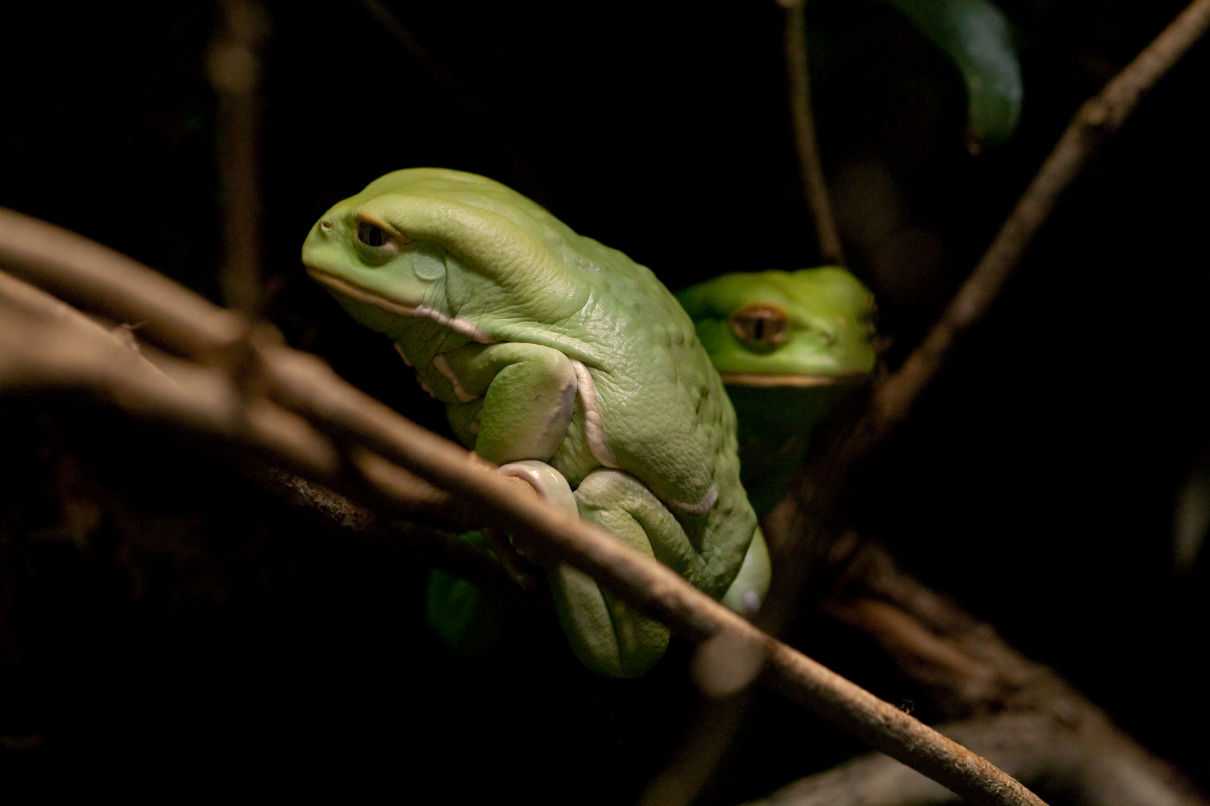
(748, 589)
(605, 632)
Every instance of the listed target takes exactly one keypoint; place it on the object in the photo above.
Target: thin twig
(474, 106)
(1019, 713)
(817, 488)
(40, 252)
(235, 75)
(438, 72)
(824, 479)
(1097, 119)
(814, 185)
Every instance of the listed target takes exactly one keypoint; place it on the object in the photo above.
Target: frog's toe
(547, 482)
(748, 589)
(603, 632)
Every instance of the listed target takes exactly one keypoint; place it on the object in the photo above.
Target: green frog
(568, 365)
(788, 345)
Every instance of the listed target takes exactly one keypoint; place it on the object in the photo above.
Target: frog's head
(806, 328)
(437, 252)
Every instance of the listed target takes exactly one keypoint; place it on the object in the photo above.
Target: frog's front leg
(521, 397)
(605, 632)
(514, 406)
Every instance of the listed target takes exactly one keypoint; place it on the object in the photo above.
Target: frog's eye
(372, 235)
(760, 326)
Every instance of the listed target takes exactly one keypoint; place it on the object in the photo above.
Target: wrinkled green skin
(561, 354)
(781, 393)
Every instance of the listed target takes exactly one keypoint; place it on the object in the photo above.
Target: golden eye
(760, 326)
(372, 235)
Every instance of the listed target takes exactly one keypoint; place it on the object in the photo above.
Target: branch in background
(1017, 713)
(823, 481)
(235, 76)
(1096, 120)
(700, 754)
(301, 383)
(814, 185)
(346, 518)
(437, 71)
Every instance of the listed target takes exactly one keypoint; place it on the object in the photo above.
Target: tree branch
(1024, 745)
(46, 255)
(1097, 119)
(235, 75)
(1017, 713)
(51, 345)
(823, 480)
(814, 185)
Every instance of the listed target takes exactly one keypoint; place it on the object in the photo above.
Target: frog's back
(669, 420)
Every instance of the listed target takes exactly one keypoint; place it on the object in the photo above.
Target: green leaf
(976, 36)
(462, 615)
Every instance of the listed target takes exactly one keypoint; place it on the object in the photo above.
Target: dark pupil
(760, 326)
(370, 235)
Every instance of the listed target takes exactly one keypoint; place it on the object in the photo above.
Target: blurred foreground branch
(312, 420)
(234, 70)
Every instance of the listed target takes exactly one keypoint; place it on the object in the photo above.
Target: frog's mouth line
(796, 381)
(347, 289)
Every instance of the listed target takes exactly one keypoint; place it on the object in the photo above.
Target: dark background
(1035, 481)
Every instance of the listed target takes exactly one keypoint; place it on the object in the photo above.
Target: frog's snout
(319, 242)
(323, 230)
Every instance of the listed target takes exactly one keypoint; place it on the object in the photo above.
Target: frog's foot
(551, 486)
(748, 589)
(606, 634)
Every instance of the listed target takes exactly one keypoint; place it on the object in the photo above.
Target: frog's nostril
(325, 226)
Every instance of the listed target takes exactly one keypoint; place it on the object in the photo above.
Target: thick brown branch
(47, 255)
(1030, 747)
(1019, 713)
(814, 185)
(52, 345)
(1037, 748)
(1095, 121)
